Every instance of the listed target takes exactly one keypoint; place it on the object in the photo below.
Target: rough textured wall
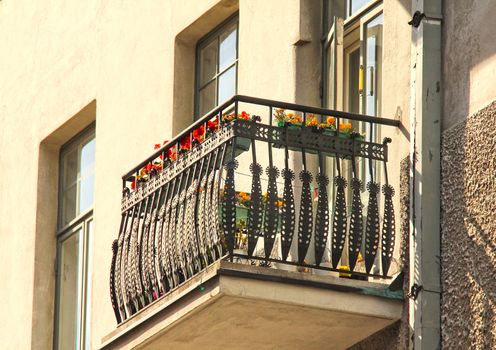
(396, 336)
(468, 228)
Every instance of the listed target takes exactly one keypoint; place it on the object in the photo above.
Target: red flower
(185, 144)
(157, 146)
(213, 125)
(133, 184)
(165, 142)
(198, 133)
(172, 154)
(157, 167)
(148, 167)
(244, 116)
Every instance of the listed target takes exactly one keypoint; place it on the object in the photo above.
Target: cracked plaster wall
(468, 229)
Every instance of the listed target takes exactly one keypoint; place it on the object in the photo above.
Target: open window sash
(333, 65)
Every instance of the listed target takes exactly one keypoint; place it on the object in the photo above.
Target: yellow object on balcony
(345, 268)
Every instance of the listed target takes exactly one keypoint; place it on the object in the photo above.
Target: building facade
(89, 89)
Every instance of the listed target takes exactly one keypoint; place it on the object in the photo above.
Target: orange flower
(312, 121)
(228, 117)
(296, 120)
(346, 127)
(331, 120)
(157, 146)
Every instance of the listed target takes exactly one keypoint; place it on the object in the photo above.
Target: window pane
(208, 62)
(77, 173)
(227, 51)
(207, 98)
(69, 270)
(330, 83)
(69, 207)
(88, 254)
(353, 74)
(355, 5)
(227, 84)
(86, 195)
(70, 168)
(373, 65)
(87, 176)
(88, 158)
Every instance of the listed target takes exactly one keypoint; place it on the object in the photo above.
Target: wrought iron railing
(204, 195)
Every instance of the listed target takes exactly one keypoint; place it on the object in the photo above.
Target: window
(352, 56)
(352, 74)
(216, 67)
(75, 229)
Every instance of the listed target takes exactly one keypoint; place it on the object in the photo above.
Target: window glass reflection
(227, 84)
(208, 63)
(69, 271)
(78, 174)
(227, 50)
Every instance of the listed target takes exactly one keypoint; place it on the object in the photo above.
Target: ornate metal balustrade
(216, 190)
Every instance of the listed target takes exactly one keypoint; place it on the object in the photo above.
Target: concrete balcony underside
(247, 307)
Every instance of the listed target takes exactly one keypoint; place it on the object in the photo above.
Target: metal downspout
(425, 175)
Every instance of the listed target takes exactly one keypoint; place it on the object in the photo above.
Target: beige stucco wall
(468, 226)
(55, 60)
(128, 66)
(469, 54)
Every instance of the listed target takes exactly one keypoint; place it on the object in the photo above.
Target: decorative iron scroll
(305, 222)
(288, 213)
(339, 222)
(271, 211)
(322, 219)
(356, 223)
(388, 228)
(229, 206)
(255, 212)
(308, 138)
(311, 139)
(180, 220)
(372, 226)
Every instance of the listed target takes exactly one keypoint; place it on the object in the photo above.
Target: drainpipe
(425, 175)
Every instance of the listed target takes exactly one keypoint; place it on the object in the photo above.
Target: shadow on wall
(468, 189)
(468, 241)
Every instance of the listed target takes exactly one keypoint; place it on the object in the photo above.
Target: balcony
(258, 190)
